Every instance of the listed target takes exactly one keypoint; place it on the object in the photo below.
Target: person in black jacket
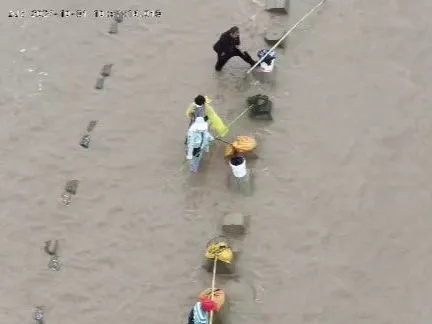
(227, 47)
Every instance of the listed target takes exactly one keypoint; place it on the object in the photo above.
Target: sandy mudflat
(341, 219)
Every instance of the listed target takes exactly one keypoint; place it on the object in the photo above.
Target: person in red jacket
(227, 47)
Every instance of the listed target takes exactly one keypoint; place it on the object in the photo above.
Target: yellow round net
(219, 248)
(221, 251)
(242, 144)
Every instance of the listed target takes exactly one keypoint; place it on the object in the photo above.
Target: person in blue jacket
(198, 141)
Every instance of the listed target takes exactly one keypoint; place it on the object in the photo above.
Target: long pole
(221, 140)
(213, 287)
(286, 34)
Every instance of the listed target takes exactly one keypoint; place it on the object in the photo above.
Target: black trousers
(223, 59)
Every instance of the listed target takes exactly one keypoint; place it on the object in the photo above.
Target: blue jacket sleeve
(209, 137)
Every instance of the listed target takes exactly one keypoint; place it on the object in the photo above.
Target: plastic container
(267, 68)
(238, 166)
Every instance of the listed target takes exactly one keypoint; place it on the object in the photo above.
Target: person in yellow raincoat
(201, 108)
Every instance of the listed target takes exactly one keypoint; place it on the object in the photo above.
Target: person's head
(199, 100)
(234, 32)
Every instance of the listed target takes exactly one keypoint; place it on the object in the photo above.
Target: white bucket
(267, 75)
(238, 166)
(267, 68)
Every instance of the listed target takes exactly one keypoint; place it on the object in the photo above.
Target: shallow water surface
(340, 214)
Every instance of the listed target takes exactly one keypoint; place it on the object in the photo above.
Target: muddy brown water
(340, 228)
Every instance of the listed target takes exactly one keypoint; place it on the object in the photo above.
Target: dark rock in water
(51, 247)
(234, 224)
(85, 141)
(113, 28)
(92, 124)
(72, 186)
(99, 83)
(280, 6)
(106, 70)
(273, 35)
(261, 107)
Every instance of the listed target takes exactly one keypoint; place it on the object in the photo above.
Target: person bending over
(227, 47)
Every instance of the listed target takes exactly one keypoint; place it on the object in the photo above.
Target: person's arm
(209, 136)
(209, 139)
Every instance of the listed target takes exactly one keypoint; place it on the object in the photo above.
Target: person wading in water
(227, 47)
(198, 140)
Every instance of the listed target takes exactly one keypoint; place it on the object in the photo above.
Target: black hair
(200, 100)
(234, 29)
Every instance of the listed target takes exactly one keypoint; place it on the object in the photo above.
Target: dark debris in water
(92, 124)
(99, 83)
(51, 247)
(72, 186)
(106, 70)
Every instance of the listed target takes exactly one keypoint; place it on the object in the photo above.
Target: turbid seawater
(340, 217)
